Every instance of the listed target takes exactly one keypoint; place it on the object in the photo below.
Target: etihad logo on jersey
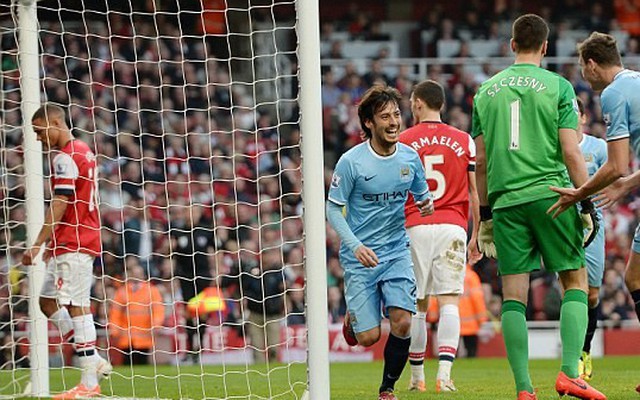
(516, 81)
(387, 196)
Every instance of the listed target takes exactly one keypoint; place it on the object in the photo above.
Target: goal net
(193, 112)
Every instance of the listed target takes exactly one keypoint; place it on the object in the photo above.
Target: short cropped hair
(374, 99)
(601, 48)
(529, 32)
(431, 92)
(49, 111)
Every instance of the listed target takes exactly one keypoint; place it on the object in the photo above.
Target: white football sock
(448, 338)
(85, 346)
(418, 346)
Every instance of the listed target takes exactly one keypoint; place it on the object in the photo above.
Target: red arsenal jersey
(74, 175)
(448, 154)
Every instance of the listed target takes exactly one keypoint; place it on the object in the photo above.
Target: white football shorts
(439, 254)
(69, 278)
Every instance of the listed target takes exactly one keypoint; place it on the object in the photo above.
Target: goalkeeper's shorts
(525, 232)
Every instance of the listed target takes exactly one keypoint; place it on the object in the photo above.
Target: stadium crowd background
(178, 146)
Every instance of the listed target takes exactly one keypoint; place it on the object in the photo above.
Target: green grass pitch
(481, 379)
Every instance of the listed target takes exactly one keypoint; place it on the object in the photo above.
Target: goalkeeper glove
(485, 233)
(590, 221)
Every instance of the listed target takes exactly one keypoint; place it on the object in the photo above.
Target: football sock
(516, 341)
(85, 343)
(418, 345)
(62, 320)
(635, 295)
(592, 325)
(396, 353)
(448, 339)
(573, 326)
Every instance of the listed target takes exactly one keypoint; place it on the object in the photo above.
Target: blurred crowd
(183, 148)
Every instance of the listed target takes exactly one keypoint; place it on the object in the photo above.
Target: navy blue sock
(592, 325)
(396, 353)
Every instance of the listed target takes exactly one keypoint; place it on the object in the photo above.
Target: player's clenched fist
(30, 255)
(426, 207)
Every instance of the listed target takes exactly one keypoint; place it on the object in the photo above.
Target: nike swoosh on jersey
(368, 178)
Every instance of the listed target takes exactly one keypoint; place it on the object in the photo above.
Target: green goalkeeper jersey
(519, 111)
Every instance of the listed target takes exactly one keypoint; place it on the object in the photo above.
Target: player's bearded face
(385, 127)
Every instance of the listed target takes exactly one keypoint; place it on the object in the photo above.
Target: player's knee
(368, 338)
(632, 280)
(48, 306)
(593, 300)
(401, 327)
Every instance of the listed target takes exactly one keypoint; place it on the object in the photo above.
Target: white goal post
(206, 121)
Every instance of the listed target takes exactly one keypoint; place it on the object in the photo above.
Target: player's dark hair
(601, 48)
(373, 100)
(49, 111)
(529, 33)
(580, 105)
(431, 92)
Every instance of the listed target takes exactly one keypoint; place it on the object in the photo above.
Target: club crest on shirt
(606, 117)
(335, 181)
(405, 174)
(588, 158)
(90, 156)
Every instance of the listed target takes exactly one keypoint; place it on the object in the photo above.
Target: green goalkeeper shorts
(525, 232)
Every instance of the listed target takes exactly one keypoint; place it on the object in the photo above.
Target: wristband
(485, 213)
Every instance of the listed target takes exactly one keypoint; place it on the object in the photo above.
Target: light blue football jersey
(621, 108)
(374, 190)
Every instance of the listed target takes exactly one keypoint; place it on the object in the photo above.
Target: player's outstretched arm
(614, 192)
(615, 167)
